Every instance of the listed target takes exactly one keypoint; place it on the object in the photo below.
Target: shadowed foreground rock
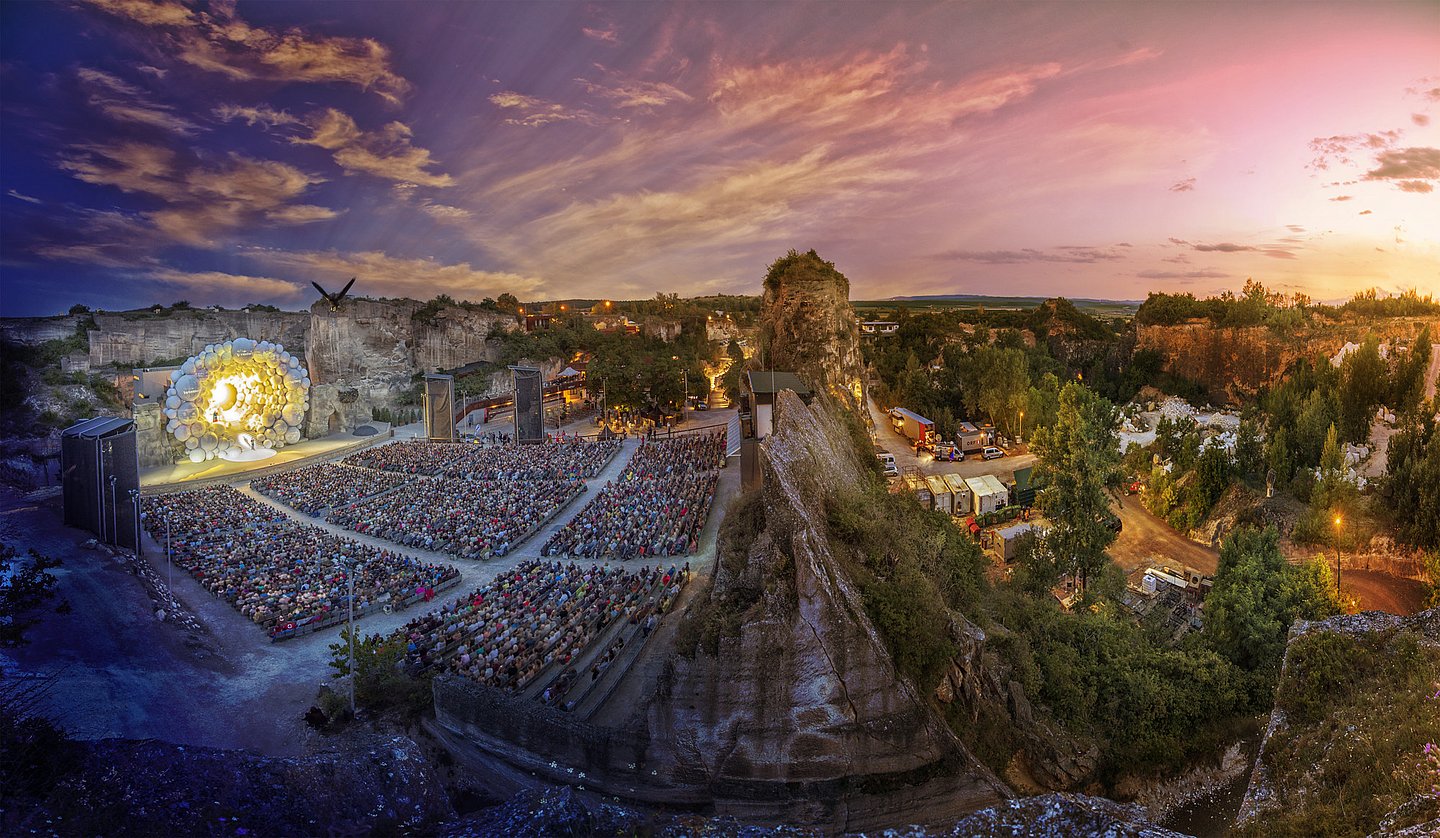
(563, 812)
(378, 784)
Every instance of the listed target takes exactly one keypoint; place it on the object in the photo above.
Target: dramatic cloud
(1186, 185)
(633, 94)
(535, 112)
(23, 197)
(1222, 247)
(1415, 186)
(122, 101)
(1202, 274)
(1338, 149)
(446, 213)
(302, 214)
(1407, 164)
(1420, 119)
(221, 42)
(202, 201)
(1079, 255)
(387, 153)
(231, 289)
(263, 116)
(420, 278)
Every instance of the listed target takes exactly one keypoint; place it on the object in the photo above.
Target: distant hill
(1095, 308)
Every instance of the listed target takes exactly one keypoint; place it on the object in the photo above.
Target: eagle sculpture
(334, 298)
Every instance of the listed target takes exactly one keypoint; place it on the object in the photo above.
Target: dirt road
(1017, 457)
(1145, 539)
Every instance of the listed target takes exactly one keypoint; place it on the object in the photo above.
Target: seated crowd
(572, 459)
(474, 519)
(537, 621)
(315, 488)
(280, 573)
(656, 507)
(414, 456)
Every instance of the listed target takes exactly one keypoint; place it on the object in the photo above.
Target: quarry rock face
(804, 706)
(1233, 363)
(808, 327)
(138, 338)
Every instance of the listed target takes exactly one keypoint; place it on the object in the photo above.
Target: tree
(26, 584)
(1212, 476)
(1279, 456)
(1407, 383)
(1364, 384)
(1257, 595)
(1079, 455)
(1249, 453)
(1412, 480)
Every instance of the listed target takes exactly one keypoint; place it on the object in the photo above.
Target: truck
(914, 427)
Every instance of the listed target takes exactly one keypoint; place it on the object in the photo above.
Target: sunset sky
(232, 153)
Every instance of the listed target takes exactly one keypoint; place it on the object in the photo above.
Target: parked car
(702, 405)
(991, 453)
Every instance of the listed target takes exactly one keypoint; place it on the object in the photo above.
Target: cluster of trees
(1256, 305)
(1412, 481)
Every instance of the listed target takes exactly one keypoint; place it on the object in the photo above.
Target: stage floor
(187, 473)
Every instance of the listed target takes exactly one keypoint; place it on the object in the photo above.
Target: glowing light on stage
(238, 400)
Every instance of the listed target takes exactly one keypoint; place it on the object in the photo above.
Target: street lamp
(1338, 522)
(1020, 437)
(135, 508)
(349, 568)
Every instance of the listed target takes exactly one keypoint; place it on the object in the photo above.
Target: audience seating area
(656, 507)
(538, 627)
(282, 574)
(473, 519)
(316, 488)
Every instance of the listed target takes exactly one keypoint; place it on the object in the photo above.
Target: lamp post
(1020, 436)
(349, 568)
(1338, 522)
(114, 513)
(135, 509)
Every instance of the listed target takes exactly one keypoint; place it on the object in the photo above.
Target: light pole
(135, 508)
(1338, 522)
(1020, 437)
(114, 512)
(349, 568)
(685, 379)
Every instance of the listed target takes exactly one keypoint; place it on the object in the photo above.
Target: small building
(1022, 488)
(1008, 538)
(988, 494)
(879, 328)
(761, 386)
(961, 502)
(941, 498)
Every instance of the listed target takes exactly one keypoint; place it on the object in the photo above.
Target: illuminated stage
(237, 401)
(291, 456)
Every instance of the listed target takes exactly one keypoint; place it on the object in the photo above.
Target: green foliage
(1078, 457)
(720, 615)
(912, 566)
(1406, 304)
(1150, 706)
(1407, 377)
(1212, 477)
(1364, 384)
(997, 384)
(1249, 450)
(381, 686)
(1256, 597)
(1255, 306)
(1412, 481)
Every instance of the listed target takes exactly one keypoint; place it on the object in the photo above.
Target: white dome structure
(238, 400)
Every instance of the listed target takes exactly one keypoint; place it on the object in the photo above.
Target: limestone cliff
(808, 327)
(802, 706)
(139, 337)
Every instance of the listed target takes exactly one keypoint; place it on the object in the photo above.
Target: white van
(887, 460)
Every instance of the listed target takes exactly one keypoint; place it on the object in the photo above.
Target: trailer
(961, 504)
(940, 494)
(988, 493)
(913, 426)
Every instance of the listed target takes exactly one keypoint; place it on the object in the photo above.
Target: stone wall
(334, 409)
(139, 339)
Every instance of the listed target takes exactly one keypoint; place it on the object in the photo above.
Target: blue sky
(231, 153)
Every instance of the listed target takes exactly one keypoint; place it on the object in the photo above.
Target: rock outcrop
(140, 337)
(369, 785)
(803, 706)
(808, 327)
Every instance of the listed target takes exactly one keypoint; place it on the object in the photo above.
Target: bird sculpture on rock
(334, 298)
